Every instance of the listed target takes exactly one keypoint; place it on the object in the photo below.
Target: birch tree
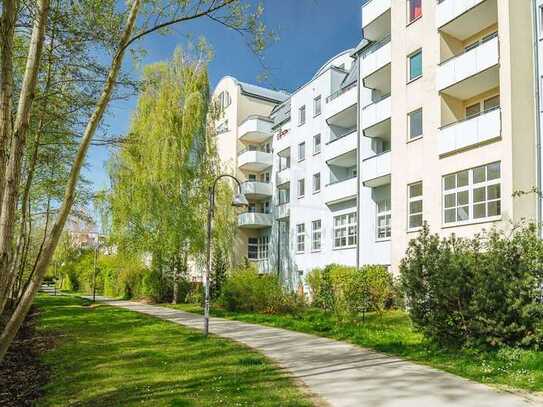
(141, 18)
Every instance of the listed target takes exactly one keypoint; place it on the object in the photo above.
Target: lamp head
(240, 201)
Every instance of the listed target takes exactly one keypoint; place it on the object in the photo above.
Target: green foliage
(347, 291)
(219, 271)
(247, 290)
(480, 291)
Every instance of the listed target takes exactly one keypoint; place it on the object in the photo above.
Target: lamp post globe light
(239, 201)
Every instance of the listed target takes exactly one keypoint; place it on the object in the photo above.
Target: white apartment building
(431, 118)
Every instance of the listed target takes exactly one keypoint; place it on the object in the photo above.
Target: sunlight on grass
(107, 356)
(393, 333)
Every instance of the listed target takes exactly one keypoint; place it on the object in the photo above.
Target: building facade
(433, 117)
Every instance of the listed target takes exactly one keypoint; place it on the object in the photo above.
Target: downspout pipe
(537, 74)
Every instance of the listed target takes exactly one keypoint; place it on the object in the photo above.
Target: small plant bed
(107, 356)
(392, 333)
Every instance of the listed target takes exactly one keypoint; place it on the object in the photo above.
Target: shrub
(483, 290)
(195, 294)
(247, 291)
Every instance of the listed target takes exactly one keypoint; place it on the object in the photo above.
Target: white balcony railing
(255, 129)
(372, 9)
(254, 220)
(376, 170)
(470, 132)
(377, 56)
(256, 188)
(251, 160)
(341, 100)
(340, 191)
(340, 146)
(282, 211)
(468, 64)
(376, 112)
(449, 10)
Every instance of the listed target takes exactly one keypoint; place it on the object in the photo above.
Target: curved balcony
(470, 132)
(255, 129)
(254, 160)
(376, 170)
(256, 189)
(254, 220)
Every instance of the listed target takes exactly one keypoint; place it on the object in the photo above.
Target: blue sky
(310, 32)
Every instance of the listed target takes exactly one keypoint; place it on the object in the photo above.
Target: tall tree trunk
(13, 168)
(20, 312)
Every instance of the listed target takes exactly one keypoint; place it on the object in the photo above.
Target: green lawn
(106, 356)
(393, 334)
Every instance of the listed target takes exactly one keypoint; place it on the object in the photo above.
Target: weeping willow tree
(161, 175)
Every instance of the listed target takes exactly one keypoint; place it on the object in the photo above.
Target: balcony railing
(257, 149)
(340, 92)
(256, 188)
(339, 137)
(375, 46)
(255, 220)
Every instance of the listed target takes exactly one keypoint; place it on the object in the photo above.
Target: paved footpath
(345, 375)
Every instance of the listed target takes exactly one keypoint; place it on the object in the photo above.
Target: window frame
(316, 232)
(260, 248)
(301, 151)
(317, 102)
(351, 239)
(385, 214)
(412, 199)
(300, 238)
(300, 193)
(410, 19)
(409, 121)
(317, 137)
(317, 175)
(470, 188)
(302, 112)
(411, 78)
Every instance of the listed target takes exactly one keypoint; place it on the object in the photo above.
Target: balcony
(282, 211)
(340, 191)
(471, 73)
(254, 220)
(464, 18)
(376, 113)
(282, 176)
(256, 190)
(341, 105)
(470, 132)
(340, 145)
(376, 18)
(376, 170)
(255, 129)
(254, 160)
(374, 58)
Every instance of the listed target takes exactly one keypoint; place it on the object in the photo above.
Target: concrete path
(345, 375)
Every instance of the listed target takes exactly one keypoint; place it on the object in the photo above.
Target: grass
(107, 356)
(393, 334)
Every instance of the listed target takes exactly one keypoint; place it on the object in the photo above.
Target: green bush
(348, 291)
(195, 294)
(246, 290)
(483, 290)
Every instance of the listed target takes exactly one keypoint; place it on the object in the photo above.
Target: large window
(316, 143)
(284, 159)
(316, 182)
(414, 10)
(472, 194)
(415, 65)
(415, 205)
(283, 191)
(301, 187)
(317, 106)
(415, 124)
(316, 235)
(483, 106)
(301, 115)
(301, 151)
(384, 216)
(345, 233)
(300, 238)
(258, 248)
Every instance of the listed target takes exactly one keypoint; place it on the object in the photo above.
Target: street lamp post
(238, 201)
(96, 249)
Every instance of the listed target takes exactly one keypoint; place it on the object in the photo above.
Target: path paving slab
(346, 375)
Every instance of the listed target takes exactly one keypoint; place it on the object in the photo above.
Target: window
(223, 127)
(265, 177)
(316, 143)
(491, 103)
(258, 248)
(317, 106)
(284, 159)
(472, 194)
(415, 205)
(384, 216)
(316, 182)
(301, 151)
(283, 191)
(484, 106)
(224, 100)
(345, 233)
(301, 115)
(415, 124)
(414, 9)
(316, 235)
(415, 65)
(300, 238)
(301, 188)
(473, 110)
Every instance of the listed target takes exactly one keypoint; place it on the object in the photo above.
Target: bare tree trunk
(13, 168)
(20, 312)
